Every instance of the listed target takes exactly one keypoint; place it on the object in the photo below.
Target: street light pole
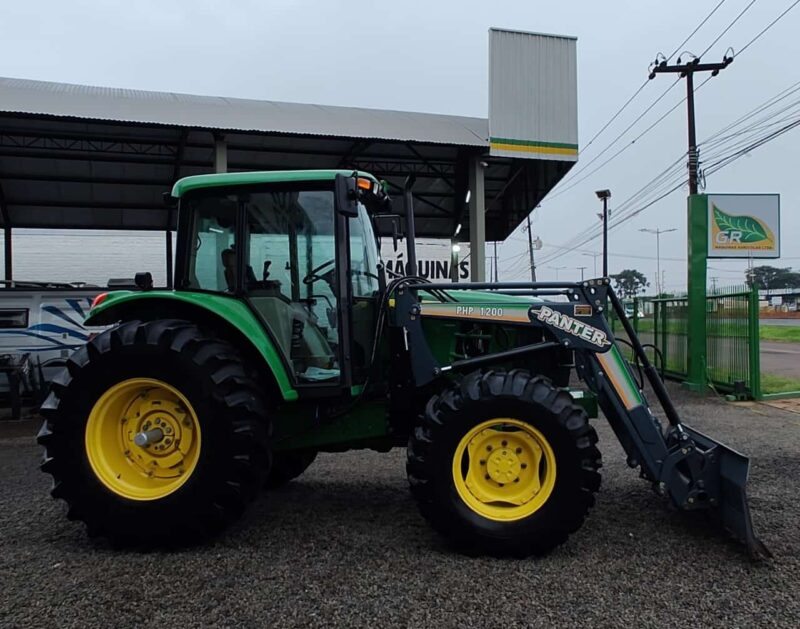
(582, 269)
(658, 232)
(594, 261)
(605, 195)
(556, 269)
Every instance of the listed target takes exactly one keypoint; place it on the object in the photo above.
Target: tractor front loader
(284, 337)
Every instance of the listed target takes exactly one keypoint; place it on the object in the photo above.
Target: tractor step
(585, 399)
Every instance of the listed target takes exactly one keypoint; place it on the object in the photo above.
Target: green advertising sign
(743, 225)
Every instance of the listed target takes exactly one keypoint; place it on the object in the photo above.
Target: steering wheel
(314, 274)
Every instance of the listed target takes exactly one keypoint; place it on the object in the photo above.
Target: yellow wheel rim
(504, 469)
(143, 439)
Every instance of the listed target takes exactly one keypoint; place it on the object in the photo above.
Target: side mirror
(346, 195)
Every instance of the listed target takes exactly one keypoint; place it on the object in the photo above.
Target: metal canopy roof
(237, 114)
(88, 157)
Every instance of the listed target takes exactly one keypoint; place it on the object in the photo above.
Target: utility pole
(581, 269)
(697, 207)
(530, 251)
(658, 233)
(687, 71)
(605, 195)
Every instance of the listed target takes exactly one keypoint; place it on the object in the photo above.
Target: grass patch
(779, 333)
(770, 383)
(782, 333)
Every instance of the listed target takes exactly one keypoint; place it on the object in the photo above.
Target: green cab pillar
(696, 281)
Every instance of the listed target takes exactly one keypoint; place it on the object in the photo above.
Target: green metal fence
(670, 335)
(732, 354)
(732, 362)
(732, 343)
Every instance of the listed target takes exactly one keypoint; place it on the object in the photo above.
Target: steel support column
(477, 219)
(220, 154)
(9, 275)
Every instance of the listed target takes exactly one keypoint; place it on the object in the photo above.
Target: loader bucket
(731, 473)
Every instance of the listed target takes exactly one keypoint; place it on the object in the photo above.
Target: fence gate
(732, 362)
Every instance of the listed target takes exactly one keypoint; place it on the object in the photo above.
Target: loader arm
(690, 469)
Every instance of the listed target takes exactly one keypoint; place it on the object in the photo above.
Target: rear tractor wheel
(155, 435)
(504, 464)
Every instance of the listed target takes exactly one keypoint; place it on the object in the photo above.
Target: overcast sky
(432, 56)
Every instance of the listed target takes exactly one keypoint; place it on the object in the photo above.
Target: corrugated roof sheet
(236, 114)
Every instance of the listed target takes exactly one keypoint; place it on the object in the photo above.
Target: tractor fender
(227, 316)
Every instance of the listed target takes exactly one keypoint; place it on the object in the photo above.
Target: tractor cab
(308, 270)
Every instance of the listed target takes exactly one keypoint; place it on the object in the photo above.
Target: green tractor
(284, 337)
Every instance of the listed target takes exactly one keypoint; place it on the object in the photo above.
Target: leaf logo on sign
(737, 232)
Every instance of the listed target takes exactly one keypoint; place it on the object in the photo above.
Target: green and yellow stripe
(617, 372)
(530, 146)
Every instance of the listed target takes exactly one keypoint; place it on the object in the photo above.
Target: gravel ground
(344, 545)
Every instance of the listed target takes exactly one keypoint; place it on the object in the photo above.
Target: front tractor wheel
(504, 464)
(155, 435)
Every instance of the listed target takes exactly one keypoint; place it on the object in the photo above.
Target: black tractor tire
(452, 415)
(233, 434)
(286, 466)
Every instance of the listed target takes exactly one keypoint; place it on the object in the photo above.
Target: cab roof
(182, 186)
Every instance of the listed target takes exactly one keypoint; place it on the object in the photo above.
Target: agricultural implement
(284, 337)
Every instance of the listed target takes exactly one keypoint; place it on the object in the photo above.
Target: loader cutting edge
(731, 470)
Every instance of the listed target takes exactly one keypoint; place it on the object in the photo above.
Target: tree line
(630, 282)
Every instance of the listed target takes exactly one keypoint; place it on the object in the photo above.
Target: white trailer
(44, 321)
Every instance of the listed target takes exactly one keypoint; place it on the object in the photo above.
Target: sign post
(696, 282)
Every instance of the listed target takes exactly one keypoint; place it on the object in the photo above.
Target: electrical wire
(697, 28)
(736, 19)
(571, 177)
(615, 116)
(769, 26)
(715, 141)
(610, 144)
(716, 166)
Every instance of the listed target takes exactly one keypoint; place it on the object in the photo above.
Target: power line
(769, 26)
(633, 97)
(760, 142)
(699, 26)
(736, 19)
(615, 116)
(723, 160)
(715, 141)
(610, 144)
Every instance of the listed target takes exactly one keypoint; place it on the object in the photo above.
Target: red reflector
(99, 300)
